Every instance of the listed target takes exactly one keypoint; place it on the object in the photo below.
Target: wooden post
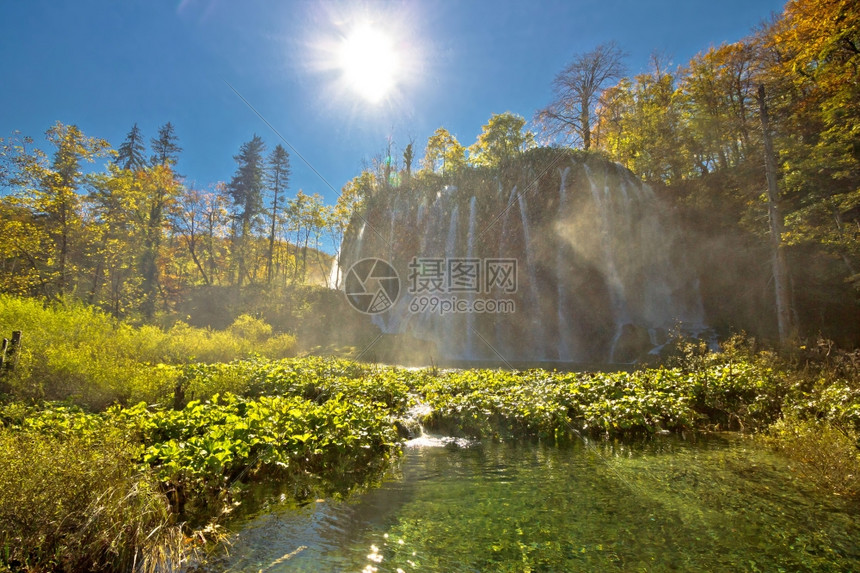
(780, 266)
(13, 350)
(3, 352)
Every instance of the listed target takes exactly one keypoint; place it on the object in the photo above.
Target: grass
(79, 503)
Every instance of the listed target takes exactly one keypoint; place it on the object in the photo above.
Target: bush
(827, 452)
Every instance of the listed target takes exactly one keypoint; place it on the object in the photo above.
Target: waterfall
(621, 280)
(334, 277)
(358, 243)
(451, 241)
(448, 324)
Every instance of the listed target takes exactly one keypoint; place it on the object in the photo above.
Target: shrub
(827, 452)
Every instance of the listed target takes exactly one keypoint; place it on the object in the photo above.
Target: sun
(369, 63)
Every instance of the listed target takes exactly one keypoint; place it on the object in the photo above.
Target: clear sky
(105, 65)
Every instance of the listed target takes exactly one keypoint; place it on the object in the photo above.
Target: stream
(710, 503)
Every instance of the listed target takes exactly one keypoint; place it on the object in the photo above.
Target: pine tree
(277, 177)
(130, 153)
(408, 157)
(246, 191)
(164, 148)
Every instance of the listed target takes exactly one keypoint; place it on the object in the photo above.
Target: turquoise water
(721, 503)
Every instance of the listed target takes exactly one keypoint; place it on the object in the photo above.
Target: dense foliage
(696, 130)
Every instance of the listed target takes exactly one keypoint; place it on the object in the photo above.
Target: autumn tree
(502, 137)
(719, 101)
(162, 186)
(24, 242)
(189, 218)
(642, 124)
(444, 154)
(572, 113)
(57, 196)
(118, 221)
(813, 53)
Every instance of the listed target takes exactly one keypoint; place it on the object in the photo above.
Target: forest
(135, 239)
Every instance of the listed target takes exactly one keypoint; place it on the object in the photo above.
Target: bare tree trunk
(270, 262)
(780, 267)
(586, 124)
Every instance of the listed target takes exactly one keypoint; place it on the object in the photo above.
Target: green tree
(130, 154)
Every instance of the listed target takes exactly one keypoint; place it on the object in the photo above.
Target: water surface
(720, 503)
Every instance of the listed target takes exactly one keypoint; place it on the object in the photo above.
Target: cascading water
(617, 296)
(534, 299)
(470, 252)
(599, 271)
(564, 338)
(505, 246)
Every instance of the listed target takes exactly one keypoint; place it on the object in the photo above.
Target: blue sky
(105, 65)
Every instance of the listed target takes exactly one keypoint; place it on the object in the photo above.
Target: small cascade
(564, 339)
(470, 253)
(335, 277)
(613, 279)
(411, 428)
(537, 324)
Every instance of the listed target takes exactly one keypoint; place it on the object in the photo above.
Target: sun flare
(369, 62)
